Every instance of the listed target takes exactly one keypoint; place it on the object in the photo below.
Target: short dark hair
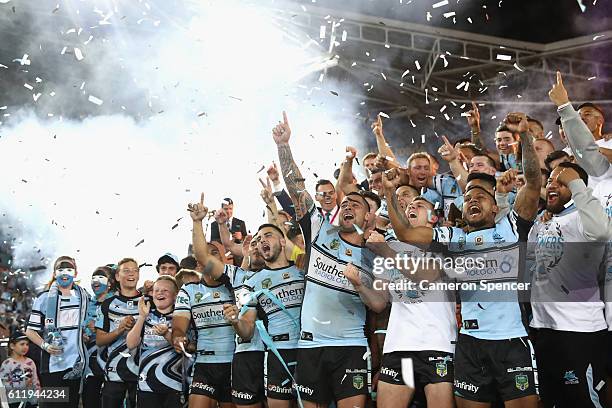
(189, 262)
(227, 201)
(552, 156)
(484, 177)
(545, 172)
(461, 141)
(477, 151)
(489, 159)
(583, 174)
(354, 193)
(502, 127)
(534, 120)
(280, 231)
(322, 182)
(372, 196)
(376, 170)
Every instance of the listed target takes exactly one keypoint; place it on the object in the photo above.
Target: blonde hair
(169, 279)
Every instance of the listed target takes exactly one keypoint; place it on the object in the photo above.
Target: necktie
(328, 216)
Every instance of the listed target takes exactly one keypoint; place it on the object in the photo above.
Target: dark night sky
(540, 21)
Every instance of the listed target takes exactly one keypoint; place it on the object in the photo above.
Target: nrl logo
(441, 369)
(522, 382)
(266, 283)
(198, 296)
(358, 382)
(335, 244)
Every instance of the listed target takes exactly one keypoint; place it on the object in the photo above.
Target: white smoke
(213, 86)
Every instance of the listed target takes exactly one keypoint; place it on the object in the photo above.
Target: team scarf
(51, 329)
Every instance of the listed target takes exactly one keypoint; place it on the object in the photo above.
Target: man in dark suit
(236, 226)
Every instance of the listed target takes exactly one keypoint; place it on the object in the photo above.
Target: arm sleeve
(183, 301)
(311, 224)
(243, 228)
(214, 232)
(596, 225)
(285, 202)
(503, 204)
(35, 380)
(102, 320)
(4, 371)
(37, 317)
(582, 143)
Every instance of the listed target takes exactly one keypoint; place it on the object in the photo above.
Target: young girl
(18, 371)
(160, 366)
(103, 286)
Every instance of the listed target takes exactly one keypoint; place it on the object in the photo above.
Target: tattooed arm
(292, 176)
(403, 229)
(212, 265)
(526, 203)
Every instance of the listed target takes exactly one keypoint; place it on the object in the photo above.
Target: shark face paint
(99, 284)
(65, 276)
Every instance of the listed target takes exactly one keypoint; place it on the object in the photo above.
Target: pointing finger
(446, 142)
(559, 79)
(285, 120)
(202, 198)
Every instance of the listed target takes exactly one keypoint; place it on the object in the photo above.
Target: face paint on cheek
(100, 289)
(64, 280)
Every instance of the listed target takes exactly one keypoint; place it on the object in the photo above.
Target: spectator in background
(18, 371)
(167, 264)
(543, 148)
(507, 144)
(327, 198)
(236, 226)
(593, 116)
(369, 163)
(536, 128)
(556, 157)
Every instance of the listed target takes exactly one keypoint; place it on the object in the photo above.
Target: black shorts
(609, 363)
(572, 367)
(326, 374)
(212, 380)
(278, 382)
(247, 377)
(484, 368)
(429, 367)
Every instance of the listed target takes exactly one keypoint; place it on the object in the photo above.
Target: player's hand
(566, 176)
(176, 343)
(273, 173)
(517, 122)
(391, 179)
(375, 238)
(198, 211)
(352, 274)
(351, 153)
(148, 286)
(160, 329)
(266, 192)
(144, 307)
(230, 312)
(474, 118)
(558, 93)
(447, 151)
(282, 132)
(506, 181)
(377, 126)
(126, 323)
(221, 216)
(54, 350)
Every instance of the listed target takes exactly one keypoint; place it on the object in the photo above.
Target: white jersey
(603, 192)
(419, 319)
(565, 289)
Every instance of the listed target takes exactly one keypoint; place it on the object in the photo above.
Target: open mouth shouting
(552, 197)
(474, 210)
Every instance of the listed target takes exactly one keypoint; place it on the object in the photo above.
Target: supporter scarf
(51, 326)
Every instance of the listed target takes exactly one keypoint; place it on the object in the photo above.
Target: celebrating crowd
(503, 302)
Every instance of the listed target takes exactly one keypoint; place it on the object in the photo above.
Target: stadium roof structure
(398, 60)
